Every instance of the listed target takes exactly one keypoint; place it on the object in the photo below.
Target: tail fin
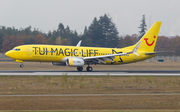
(148, 41)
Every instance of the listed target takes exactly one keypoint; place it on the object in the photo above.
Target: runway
(84, 73)
(137, 94)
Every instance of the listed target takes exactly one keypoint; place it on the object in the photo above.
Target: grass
(90, 85)
(97, 103)
(87, 84)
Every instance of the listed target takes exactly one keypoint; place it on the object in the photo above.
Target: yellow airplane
(77, 56)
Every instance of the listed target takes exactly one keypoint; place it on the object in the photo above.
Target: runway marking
(88, 74)
(94, 73)
(90, 94)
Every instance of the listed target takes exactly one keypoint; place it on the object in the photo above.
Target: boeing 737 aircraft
(77, 56)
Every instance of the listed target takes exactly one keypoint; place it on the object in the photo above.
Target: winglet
(135, 49)
(79, 43)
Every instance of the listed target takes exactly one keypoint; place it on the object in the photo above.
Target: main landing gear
(79, 69)
(89, 69)
(22, 65)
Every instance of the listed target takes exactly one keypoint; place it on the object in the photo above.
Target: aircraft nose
(9, 53)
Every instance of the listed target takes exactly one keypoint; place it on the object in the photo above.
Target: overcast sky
(47, 14)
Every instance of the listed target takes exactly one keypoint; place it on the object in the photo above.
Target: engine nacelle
(77, 62)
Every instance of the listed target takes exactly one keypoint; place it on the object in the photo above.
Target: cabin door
(28, 50)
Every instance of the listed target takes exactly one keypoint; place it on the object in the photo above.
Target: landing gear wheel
(21, 65)
(79, 68)
(89, 69)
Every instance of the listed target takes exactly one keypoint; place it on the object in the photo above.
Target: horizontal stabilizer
(157, 52)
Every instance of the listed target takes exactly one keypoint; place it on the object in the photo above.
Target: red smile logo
(149, 44)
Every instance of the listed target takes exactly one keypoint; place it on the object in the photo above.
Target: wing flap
(104, 56)
(101, 61)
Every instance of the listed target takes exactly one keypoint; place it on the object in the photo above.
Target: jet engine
(76, 62)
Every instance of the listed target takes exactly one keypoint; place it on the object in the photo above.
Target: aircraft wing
(103, 58)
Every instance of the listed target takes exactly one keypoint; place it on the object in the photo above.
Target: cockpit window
(16, 49)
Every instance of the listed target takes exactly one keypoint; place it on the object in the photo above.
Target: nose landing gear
(22, 65)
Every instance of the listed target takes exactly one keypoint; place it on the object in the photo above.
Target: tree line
(102, 32)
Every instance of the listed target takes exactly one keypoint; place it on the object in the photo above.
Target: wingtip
(79, 43)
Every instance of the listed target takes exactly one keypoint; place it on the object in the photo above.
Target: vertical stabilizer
(148, 41)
